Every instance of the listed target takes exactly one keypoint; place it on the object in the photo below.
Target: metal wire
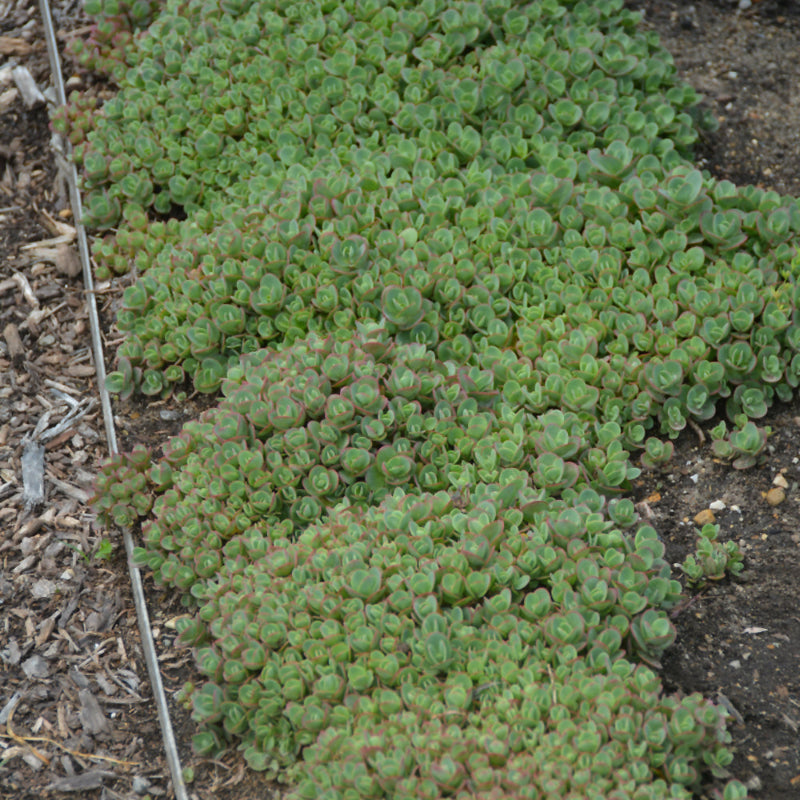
(151, 659)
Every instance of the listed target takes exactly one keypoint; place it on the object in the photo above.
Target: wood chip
(57, 227)
(14, 752)
(57, 441)
(61, 721)
(91, 779)
(6, 710)
(25, 288)
(31, 94)
(33, 525)
(69, 490)
(67, 261)
(45, 630)
(106, 685)
(24, 565)
(92, 718)
(6, 74)
(7, 285)
(16, 350)
(81, 681)
(43, 588)
(33, 474)
(45, 249)
(11, 655)
(35, 667)
(80, 371)
(8, 98)
(12, 46)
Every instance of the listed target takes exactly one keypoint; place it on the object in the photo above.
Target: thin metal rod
(168, 736)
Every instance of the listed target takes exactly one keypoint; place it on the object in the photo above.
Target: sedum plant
(117, 22)
(450, 268)
(712, 560)
(348, 619)
(122, 488)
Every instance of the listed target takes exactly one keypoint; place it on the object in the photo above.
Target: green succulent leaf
(402, 307)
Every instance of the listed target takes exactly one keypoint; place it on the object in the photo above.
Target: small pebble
(717, 505)
(775, 496)
(780, 481)
(705, 517)
(735, 664)
(745, 4)
(140, 785)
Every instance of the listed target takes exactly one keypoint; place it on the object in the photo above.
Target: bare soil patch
(76, 712)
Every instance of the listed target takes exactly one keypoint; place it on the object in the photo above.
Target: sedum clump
(712, 560)
(455, 278)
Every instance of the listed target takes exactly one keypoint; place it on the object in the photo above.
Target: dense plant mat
(450, 266)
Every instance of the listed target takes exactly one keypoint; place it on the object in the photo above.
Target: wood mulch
(75, 705)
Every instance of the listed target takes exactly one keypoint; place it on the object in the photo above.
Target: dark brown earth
(740, 641)
(69, 643)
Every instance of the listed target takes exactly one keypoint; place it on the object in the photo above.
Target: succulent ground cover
(398, 535)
